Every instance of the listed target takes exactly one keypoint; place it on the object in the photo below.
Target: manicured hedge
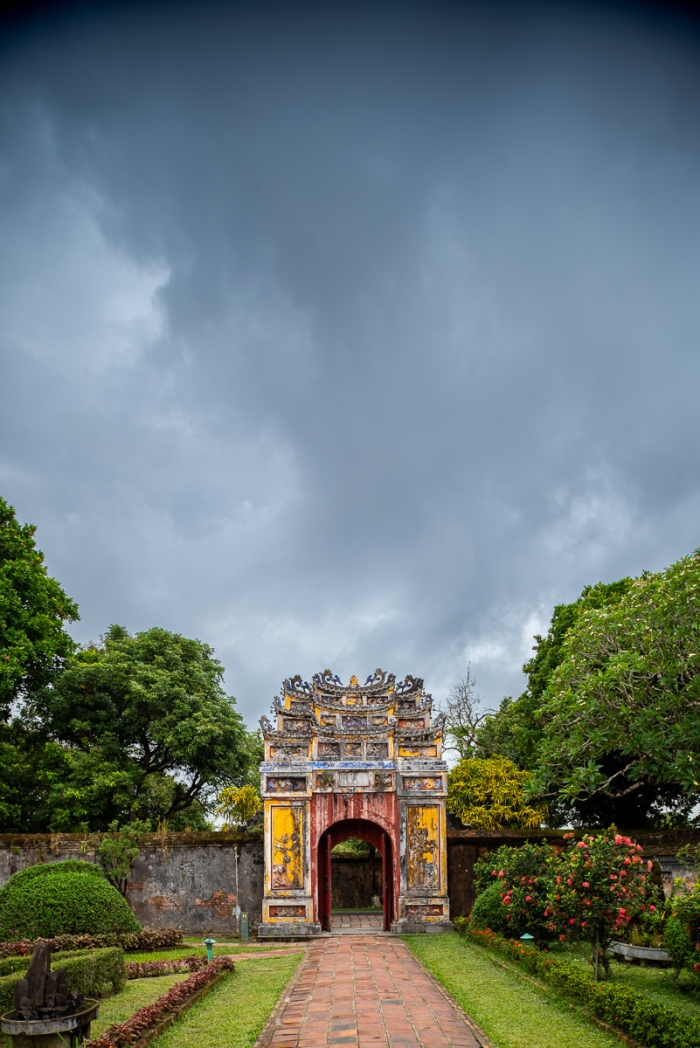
(654, 1025)
(62, 898)
(94, 973)
(140, 942)
(146, 1022)
(146, 969)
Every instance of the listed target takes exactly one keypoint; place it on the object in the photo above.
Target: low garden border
(148, 969)
(655, 1025)
(149, 1022)
(158, 939)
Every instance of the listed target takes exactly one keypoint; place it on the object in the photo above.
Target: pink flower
(653, 909)
(586, 884)
(501, 873)
(572, 921)
(528, 898)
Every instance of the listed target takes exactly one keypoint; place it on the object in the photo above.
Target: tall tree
(34, 645)
(34, 649)
(522, 729)
(148, 726)
(627, 685)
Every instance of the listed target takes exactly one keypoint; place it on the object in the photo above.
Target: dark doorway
(363, 830)
(356, 875)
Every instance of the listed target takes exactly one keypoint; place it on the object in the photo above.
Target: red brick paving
(369, 992)
(352, 921)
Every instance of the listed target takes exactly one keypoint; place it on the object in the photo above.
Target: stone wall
(192, 881)
(354, 881)
(197, 881)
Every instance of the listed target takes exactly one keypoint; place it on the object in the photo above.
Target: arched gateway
(353, 761)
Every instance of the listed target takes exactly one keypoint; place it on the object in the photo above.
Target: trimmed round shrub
(62, 898)
(489, 912)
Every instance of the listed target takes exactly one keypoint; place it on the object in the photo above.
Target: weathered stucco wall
(354, 881)
(191, 881)
(196, 881)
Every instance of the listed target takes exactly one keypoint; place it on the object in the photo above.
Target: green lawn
(513, 1013)
(660, 985)
(235, 1011)
(136, 994)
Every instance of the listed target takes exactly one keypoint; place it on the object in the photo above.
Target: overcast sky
(350, 335)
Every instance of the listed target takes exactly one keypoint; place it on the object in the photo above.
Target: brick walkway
(368, 992)
(355, 921)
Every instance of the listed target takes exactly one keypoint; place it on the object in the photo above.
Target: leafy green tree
(149, 728)
(627, 685)
(254, 746)
(521, 728)
(34, 645)
(34, 649)
(516, 730)
(490, 794)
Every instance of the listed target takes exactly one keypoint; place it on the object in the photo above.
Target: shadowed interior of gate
(354, 829)
(356, 872)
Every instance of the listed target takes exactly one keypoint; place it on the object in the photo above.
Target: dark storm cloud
(351, 335)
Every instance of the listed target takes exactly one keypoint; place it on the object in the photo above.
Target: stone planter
(640, 954)
(69, 1030)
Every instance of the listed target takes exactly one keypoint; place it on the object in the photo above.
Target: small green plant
(119, 851)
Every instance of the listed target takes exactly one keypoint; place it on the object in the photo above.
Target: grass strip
(660, 985)
(236, 1010)
(511, 1012)
(138, 993)
(625, 1009)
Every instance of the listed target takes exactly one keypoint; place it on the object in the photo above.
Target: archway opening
(379, 888)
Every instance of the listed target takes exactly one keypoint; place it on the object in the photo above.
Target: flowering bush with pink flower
(516, 889)
(600, 885)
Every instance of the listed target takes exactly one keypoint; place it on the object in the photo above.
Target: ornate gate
(351, 760)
